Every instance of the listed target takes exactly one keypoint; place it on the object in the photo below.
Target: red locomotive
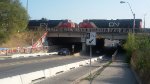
(119, 23)
(35, 24)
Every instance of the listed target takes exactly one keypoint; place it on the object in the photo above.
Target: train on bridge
(119, 23)
(92, 23)
(35, 24)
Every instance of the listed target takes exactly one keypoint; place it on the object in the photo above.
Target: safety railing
(100, 30)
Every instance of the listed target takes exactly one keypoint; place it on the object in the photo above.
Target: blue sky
(77, 10)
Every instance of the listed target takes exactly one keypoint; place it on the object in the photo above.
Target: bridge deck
(100, 30)
(109, 33)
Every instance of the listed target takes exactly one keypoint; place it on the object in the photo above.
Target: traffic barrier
(87, 61)
(31, 77)
(56, 70)
(53, 53)
(79, 63)
(32, 55)
(69, 66)
(77, 54)
(95, 59)
(114, 55)
(42, 74)
(11, 80)
(47, 73)
(82, 63)
(74, 65)
(100, 57)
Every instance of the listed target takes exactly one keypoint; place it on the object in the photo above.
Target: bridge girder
(109, 33)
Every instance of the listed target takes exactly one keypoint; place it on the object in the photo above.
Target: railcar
(119, 23)
(35, 24)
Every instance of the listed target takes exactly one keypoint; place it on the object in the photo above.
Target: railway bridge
(78, 35)
(108, 33)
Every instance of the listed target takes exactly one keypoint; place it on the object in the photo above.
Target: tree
(13, 18)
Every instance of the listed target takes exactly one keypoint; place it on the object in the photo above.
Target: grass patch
(22, 39)
(97, 73)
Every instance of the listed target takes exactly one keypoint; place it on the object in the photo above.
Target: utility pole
(144, 20)
(131, 12)
(27, 6)
(90, 64)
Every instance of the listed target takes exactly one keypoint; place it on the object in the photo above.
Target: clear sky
(77, 10)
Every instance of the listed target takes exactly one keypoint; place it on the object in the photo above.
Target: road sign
(91, 38)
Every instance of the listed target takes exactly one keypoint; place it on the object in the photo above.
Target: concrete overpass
(108, 33)
(79, 34)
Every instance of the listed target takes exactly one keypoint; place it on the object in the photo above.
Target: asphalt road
(38, 65)
(70, 76)
(25, 59)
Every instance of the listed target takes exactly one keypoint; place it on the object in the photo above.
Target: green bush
(13, 18)
(141, 63)
(138, 47)
(130, 46)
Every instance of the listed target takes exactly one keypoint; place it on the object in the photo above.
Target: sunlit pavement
(117, 72)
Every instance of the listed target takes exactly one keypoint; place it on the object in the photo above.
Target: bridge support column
(83, 48)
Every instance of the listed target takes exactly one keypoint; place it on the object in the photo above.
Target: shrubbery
(13, 18)
(138, 53)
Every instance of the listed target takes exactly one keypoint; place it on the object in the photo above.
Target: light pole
(131, 12)
(144, 19)
(27, 6)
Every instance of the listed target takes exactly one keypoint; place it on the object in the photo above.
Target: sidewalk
(117, 72)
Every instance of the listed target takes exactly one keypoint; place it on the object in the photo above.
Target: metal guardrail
(100, 30)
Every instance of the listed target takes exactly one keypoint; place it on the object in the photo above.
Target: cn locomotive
(92, 23)
(119, 23)
(35, 24)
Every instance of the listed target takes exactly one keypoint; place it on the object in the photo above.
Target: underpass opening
(97, 49)
(72, 43)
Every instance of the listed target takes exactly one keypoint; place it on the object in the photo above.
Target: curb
(136, 76)
(5, 57)
(93, 71)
